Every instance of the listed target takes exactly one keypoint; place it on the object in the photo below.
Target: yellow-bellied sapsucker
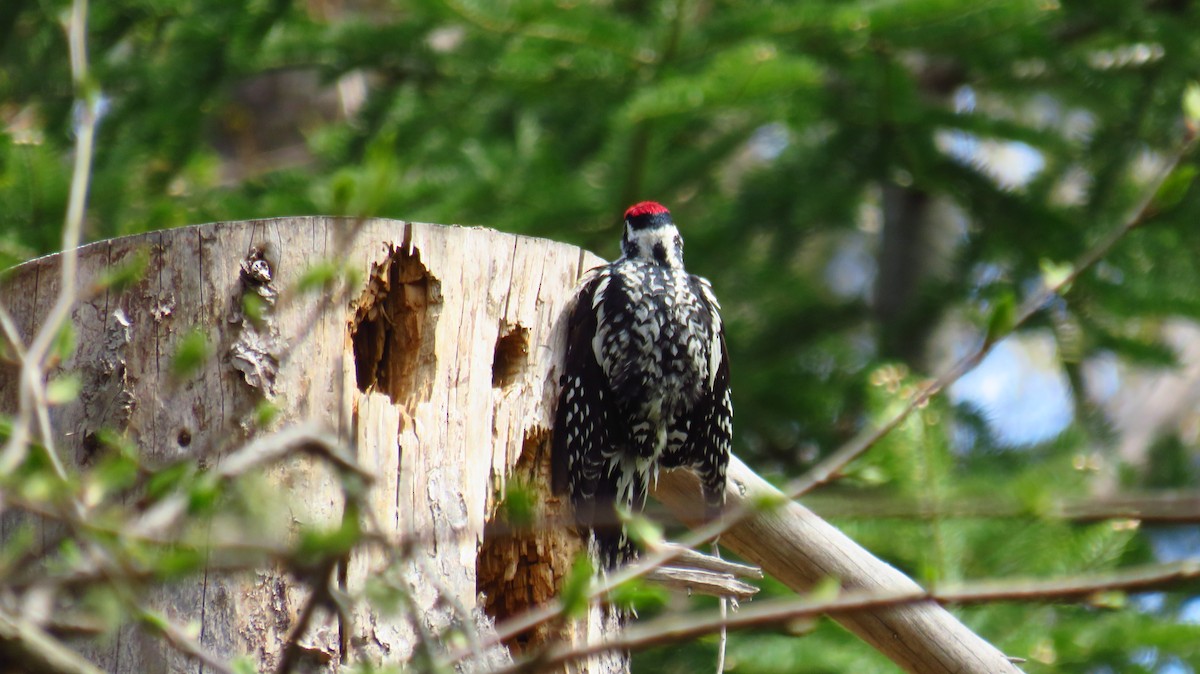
(646, 384)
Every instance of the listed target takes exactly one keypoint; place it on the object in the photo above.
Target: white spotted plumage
(646, 383)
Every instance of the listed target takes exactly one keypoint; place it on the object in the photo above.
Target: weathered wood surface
(439, 370)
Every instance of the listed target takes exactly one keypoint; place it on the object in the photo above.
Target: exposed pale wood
(437, 428)
(800, 549)
(702, 581)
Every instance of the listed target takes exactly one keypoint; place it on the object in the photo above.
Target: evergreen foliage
(867, 184)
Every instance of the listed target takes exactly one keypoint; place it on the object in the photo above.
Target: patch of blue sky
(1020, 390)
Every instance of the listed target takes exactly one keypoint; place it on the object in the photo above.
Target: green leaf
(265, 413)
(1174, 188)
(826, 589)
(574, 595)
(317, 544)
(519, 506)
(180, 561)
(1055, 274)
(1110, 599)
(1003, 317)
(63, 389)
(254, 306)
(754, 71)
(644, 531)
(1191, 103)
(169, 478)
(64, 342)
(156, 620)
(203, 494)
(769, 501)
(318, 276)
(116, 471)
(191, 353)
(639, 595)
(129, 272)
(243, 664)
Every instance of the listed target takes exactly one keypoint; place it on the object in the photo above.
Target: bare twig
(33, 365)
(1170, 507)
(181, 641)
(321, 594)
(703, 582)
(36, 651)
(694, 559)
(675, 628)
(307, 438)
(1083, 586)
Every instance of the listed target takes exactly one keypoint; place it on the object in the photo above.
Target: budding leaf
(64, 342)
(1191, 103)
(1174, 188)
(121, 276)
(243, 665)
(190, 355)
(63, 389)
(520, 505)
(575, 588)
(1002, 319)
(318, 276)
(644, 532)
(1055, 274)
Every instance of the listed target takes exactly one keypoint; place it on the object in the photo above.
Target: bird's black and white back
(645, 386)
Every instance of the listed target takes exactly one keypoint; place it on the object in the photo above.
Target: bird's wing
(709, 424)
(586, 435)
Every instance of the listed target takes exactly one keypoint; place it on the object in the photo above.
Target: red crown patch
(645, 208)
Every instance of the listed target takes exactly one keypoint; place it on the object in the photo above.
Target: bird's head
(651, 235)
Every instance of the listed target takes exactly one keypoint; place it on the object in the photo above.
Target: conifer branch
(1144, 210)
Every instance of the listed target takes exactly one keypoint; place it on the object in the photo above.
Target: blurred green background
(866, 183)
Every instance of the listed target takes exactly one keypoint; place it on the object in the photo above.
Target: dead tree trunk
(433, 359)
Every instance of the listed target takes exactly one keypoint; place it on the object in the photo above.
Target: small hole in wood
(184, 438)
(511, 355)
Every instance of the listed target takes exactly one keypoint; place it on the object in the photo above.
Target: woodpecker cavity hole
(519, 569)
(392, 327)
(512, 352)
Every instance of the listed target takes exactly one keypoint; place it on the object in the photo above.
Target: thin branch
(1083, 586)
(321, 594)
(27, 644)
(673, 629)
(703, 582)
(1172, 507)
(181, 641)
(34, 363)
(694, 559)
(299, 438)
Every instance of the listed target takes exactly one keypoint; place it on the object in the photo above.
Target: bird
(645, 385)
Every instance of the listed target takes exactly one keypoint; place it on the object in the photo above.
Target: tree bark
(437, 367)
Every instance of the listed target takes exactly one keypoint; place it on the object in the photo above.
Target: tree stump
(434, 358)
